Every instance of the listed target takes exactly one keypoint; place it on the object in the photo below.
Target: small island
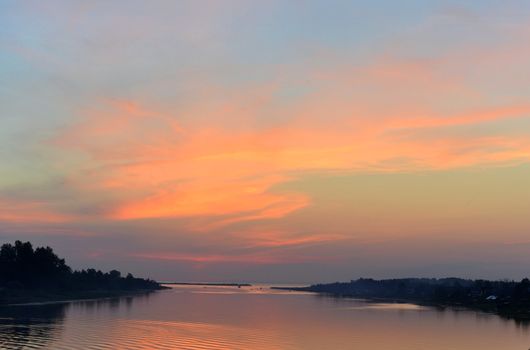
(506, 298)
(29, 275)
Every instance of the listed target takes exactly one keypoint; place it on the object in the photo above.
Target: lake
(205, 317)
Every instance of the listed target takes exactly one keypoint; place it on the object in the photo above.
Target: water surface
(204, 317)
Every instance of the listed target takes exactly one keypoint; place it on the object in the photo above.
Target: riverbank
(37, 275)
(516, 312)
(508, 299)
(24, 297)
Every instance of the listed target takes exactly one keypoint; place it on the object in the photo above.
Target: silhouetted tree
(505, 297)
(22, 267)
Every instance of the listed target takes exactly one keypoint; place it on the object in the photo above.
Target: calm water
(251, 318)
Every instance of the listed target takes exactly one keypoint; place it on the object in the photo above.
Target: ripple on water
(193, 320)
(122, 334)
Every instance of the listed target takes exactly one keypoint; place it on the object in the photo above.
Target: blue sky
(274, 141)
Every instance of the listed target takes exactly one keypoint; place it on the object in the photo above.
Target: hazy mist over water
(205, 317)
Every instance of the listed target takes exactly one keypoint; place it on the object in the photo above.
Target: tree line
(432, 289)
(24, 268)
(511, 298)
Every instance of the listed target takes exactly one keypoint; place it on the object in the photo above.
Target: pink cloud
(18, 211)
(161, 168)
(211, 157)
(259, 259)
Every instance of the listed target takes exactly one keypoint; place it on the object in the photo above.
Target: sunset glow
(270, 140)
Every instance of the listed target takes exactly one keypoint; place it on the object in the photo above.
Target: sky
(269, 141)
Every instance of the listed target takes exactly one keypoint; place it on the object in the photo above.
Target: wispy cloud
(16, 211)
(159, 167)
(243, 132)
(260, 258)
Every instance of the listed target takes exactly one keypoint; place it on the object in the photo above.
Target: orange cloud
(21, 212)
(225, 153)
(160, 168)
(278, 241)
(225, 197)
(491, 114)
(255, 246)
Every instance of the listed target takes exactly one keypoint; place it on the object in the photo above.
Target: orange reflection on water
(206, 317)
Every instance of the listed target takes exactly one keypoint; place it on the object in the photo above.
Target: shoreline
(59, 298)
(489, 308)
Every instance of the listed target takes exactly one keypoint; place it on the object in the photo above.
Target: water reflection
(442, 310)
(38, 325)
(252, 318)
(30, 326)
